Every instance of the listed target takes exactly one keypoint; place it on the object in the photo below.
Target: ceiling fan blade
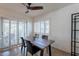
(36, 8)
(29, 7)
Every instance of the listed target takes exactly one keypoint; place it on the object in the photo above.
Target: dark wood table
(42, 44)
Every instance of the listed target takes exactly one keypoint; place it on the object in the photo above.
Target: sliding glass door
(0, 35)
(5, 33)
(29, 28)
(12, 30)
(21, 30)
(13, 33)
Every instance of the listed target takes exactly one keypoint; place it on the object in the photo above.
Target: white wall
(60, 26)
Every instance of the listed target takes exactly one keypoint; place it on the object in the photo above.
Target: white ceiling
(20, 9)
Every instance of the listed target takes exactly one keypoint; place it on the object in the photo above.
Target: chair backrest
(36, 36)
(29, 46)
(23, 42)
(45, 37)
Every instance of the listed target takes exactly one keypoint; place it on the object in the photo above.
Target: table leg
(41, 53)
(49, 50)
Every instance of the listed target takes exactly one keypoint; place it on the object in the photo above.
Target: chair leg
(21, 48)
(49, 50)
(41, 53)
(32, 54)
(24, 51)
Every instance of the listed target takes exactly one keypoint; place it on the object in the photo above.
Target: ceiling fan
(30, 7)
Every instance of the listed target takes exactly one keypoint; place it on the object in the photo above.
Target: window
(21, 30)
(29, 28)
(47, 27)
(25, 29)
(41, 27)
(37, 27)
(12, 30)
(5, 33)
(13, 33)
(0, 35)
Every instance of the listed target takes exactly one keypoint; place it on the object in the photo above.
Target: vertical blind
(12, 30)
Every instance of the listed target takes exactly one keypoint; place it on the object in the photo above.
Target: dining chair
(31, 48)
(45, 37)
(23, 45)
(35, 36)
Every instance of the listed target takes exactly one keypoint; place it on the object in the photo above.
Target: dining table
(42, 44)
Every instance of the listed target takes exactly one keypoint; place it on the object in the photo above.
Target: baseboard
(62, 50)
